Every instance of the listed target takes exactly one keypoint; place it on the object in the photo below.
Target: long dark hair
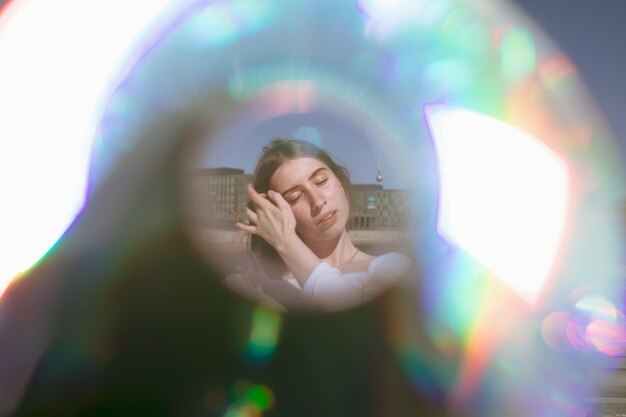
(274, 155)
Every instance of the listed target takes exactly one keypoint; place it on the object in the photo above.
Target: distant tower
(379, 176)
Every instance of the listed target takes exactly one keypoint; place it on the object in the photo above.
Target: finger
(252, 216)
(256, 198)
(247, 228)
(278, 199)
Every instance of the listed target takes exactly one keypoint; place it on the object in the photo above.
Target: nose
(318, 201)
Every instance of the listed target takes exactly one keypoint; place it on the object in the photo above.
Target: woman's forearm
(298, 258)
(327, 289)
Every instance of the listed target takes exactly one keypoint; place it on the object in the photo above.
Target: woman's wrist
(298, 258)
(289, 243)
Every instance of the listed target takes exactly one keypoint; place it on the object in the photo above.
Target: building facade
(374, 207)
(365, 206)
(217, 198)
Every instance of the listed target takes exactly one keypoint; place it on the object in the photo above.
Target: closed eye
(294, 197)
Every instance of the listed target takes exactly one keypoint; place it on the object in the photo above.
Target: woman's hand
(273, 219)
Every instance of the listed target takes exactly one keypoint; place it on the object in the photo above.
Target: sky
(347, 142)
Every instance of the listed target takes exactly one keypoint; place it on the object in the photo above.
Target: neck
(334, 252)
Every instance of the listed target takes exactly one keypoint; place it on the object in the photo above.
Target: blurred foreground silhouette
(124, 318)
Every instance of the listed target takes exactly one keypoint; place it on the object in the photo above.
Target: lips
(327, 217)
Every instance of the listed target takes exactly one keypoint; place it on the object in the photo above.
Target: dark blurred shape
(124, 318)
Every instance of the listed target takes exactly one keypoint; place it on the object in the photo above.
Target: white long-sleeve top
(327, 288)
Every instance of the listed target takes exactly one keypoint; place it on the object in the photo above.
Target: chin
(336, 229)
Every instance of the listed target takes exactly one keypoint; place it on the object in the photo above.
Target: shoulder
(391, 263)
(360, 264)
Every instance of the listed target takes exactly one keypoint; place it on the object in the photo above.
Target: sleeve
(329, 290)
(385, 271)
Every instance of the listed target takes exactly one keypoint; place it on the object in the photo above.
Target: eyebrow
(317, 171)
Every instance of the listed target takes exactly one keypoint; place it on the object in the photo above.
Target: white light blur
(503, 196)
(59, 63)
(384, 17)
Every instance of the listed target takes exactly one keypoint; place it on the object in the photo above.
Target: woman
(297, 216)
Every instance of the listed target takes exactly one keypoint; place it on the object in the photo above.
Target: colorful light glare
(503, 196)
(554, 330)
(384, 17)
(262, 396)
(264, 334)
(597, 326)
(597, 307)
(55, 75)
(518, 54)
(250, 400)
(605, 329)
(607, 337)
(222, 22)
(294, 96)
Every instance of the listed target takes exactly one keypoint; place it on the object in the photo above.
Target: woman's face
(316, 197)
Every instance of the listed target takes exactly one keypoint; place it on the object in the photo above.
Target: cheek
(340, 193)
(298, 213)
